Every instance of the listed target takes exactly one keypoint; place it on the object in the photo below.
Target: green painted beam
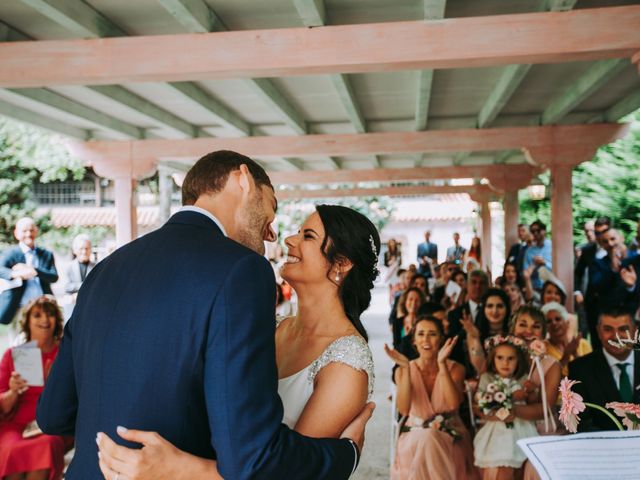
(460, 158)
(141, 105)
(268, 92)
(312, 12)
(10, 34)
(596, 76)
(77, 17)
(59, 102)
(503, 157)
(223, 114)
(624, 107)
(423, 99)
(559, 5)
(433, 10)
(294, 162)
(32, 118)
(509, 81)
(194, 15)
(348, 99)
(190, 14)
(513, 75)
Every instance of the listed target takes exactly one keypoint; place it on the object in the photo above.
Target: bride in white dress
(325, 367)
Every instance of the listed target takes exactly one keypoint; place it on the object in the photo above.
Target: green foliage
(608, 185)
(28, 155)
(59, 240)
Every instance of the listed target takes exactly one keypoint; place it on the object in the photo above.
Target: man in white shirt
(607, 374)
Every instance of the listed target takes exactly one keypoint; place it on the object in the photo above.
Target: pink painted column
(126, 215)
(562, 226)
(485, 216)
(511, 219)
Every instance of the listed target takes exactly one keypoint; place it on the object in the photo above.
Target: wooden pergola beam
(508, 138)
(400, 174)
(588, 34)
(390, 191)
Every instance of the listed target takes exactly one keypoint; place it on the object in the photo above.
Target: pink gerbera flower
(572, 405)
(628, 412)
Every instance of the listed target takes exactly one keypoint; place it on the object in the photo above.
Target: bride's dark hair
(350, 235)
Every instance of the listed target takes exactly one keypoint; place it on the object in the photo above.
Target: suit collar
(206, 213)
(193, 217)
(602, 372)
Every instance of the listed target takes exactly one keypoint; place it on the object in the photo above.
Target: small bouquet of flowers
(440, 421)
(497, 398)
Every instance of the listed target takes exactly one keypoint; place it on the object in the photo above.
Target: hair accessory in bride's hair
(374, 250)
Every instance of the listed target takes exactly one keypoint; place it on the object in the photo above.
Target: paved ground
(375, 459)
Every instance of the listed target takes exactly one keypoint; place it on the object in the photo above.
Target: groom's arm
(241, 382)
(58, 403)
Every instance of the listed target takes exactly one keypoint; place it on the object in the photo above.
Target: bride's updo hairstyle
(350, 235)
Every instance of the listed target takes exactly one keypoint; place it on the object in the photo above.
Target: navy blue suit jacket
(598, 386)
(47, 273)
(174, 332)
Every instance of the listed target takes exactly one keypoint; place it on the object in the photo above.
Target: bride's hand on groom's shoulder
(399, 359)
(158, 459)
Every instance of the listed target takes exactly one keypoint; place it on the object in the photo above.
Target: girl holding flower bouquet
(499, 391)
(433, 443)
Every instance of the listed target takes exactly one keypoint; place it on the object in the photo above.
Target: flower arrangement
(441, 422)
(497, 398)
(573, 405)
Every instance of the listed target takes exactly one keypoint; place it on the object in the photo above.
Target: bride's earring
(337, 276)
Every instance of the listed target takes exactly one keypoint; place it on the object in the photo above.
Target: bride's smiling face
(305, 259)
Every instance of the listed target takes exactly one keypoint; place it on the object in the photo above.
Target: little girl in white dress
(495, 447)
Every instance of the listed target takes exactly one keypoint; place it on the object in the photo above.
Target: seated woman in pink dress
(38, 457)
(434, 443)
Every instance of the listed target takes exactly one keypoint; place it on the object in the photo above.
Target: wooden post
(485, 216)
(165, 186)
(562, 226)
(511, 219)
(126, 215)
(124, 166)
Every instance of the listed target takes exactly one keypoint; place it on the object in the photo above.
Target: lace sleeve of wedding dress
(351, 350)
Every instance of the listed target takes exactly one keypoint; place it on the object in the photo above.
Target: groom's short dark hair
(210, 174)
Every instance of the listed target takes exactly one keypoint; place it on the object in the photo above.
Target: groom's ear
(245, 179)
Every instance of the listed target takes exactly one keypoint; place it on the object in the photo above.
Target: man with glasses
(538, 253)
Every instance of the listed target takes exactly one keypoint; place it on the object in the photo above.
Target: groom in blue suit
(174, 332)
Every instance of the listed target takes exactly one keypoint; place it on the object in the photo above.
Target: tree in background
(29, 155)
(607, 185)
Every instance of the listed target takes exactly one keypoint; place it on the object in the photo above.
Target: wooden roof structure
(328, 91)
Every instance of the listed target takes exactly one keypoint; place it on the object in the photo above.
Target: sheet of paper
(27, 361)
(9, 284)
(593, 456)
(453, 290)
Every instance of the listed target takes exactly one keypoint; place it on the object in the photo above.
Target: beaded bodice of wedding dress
(295, 390)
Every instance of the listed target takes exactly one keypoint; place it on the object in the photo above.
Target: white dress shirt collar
(613, 366)
(24, 248)
(473, 309)
(206, 213)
